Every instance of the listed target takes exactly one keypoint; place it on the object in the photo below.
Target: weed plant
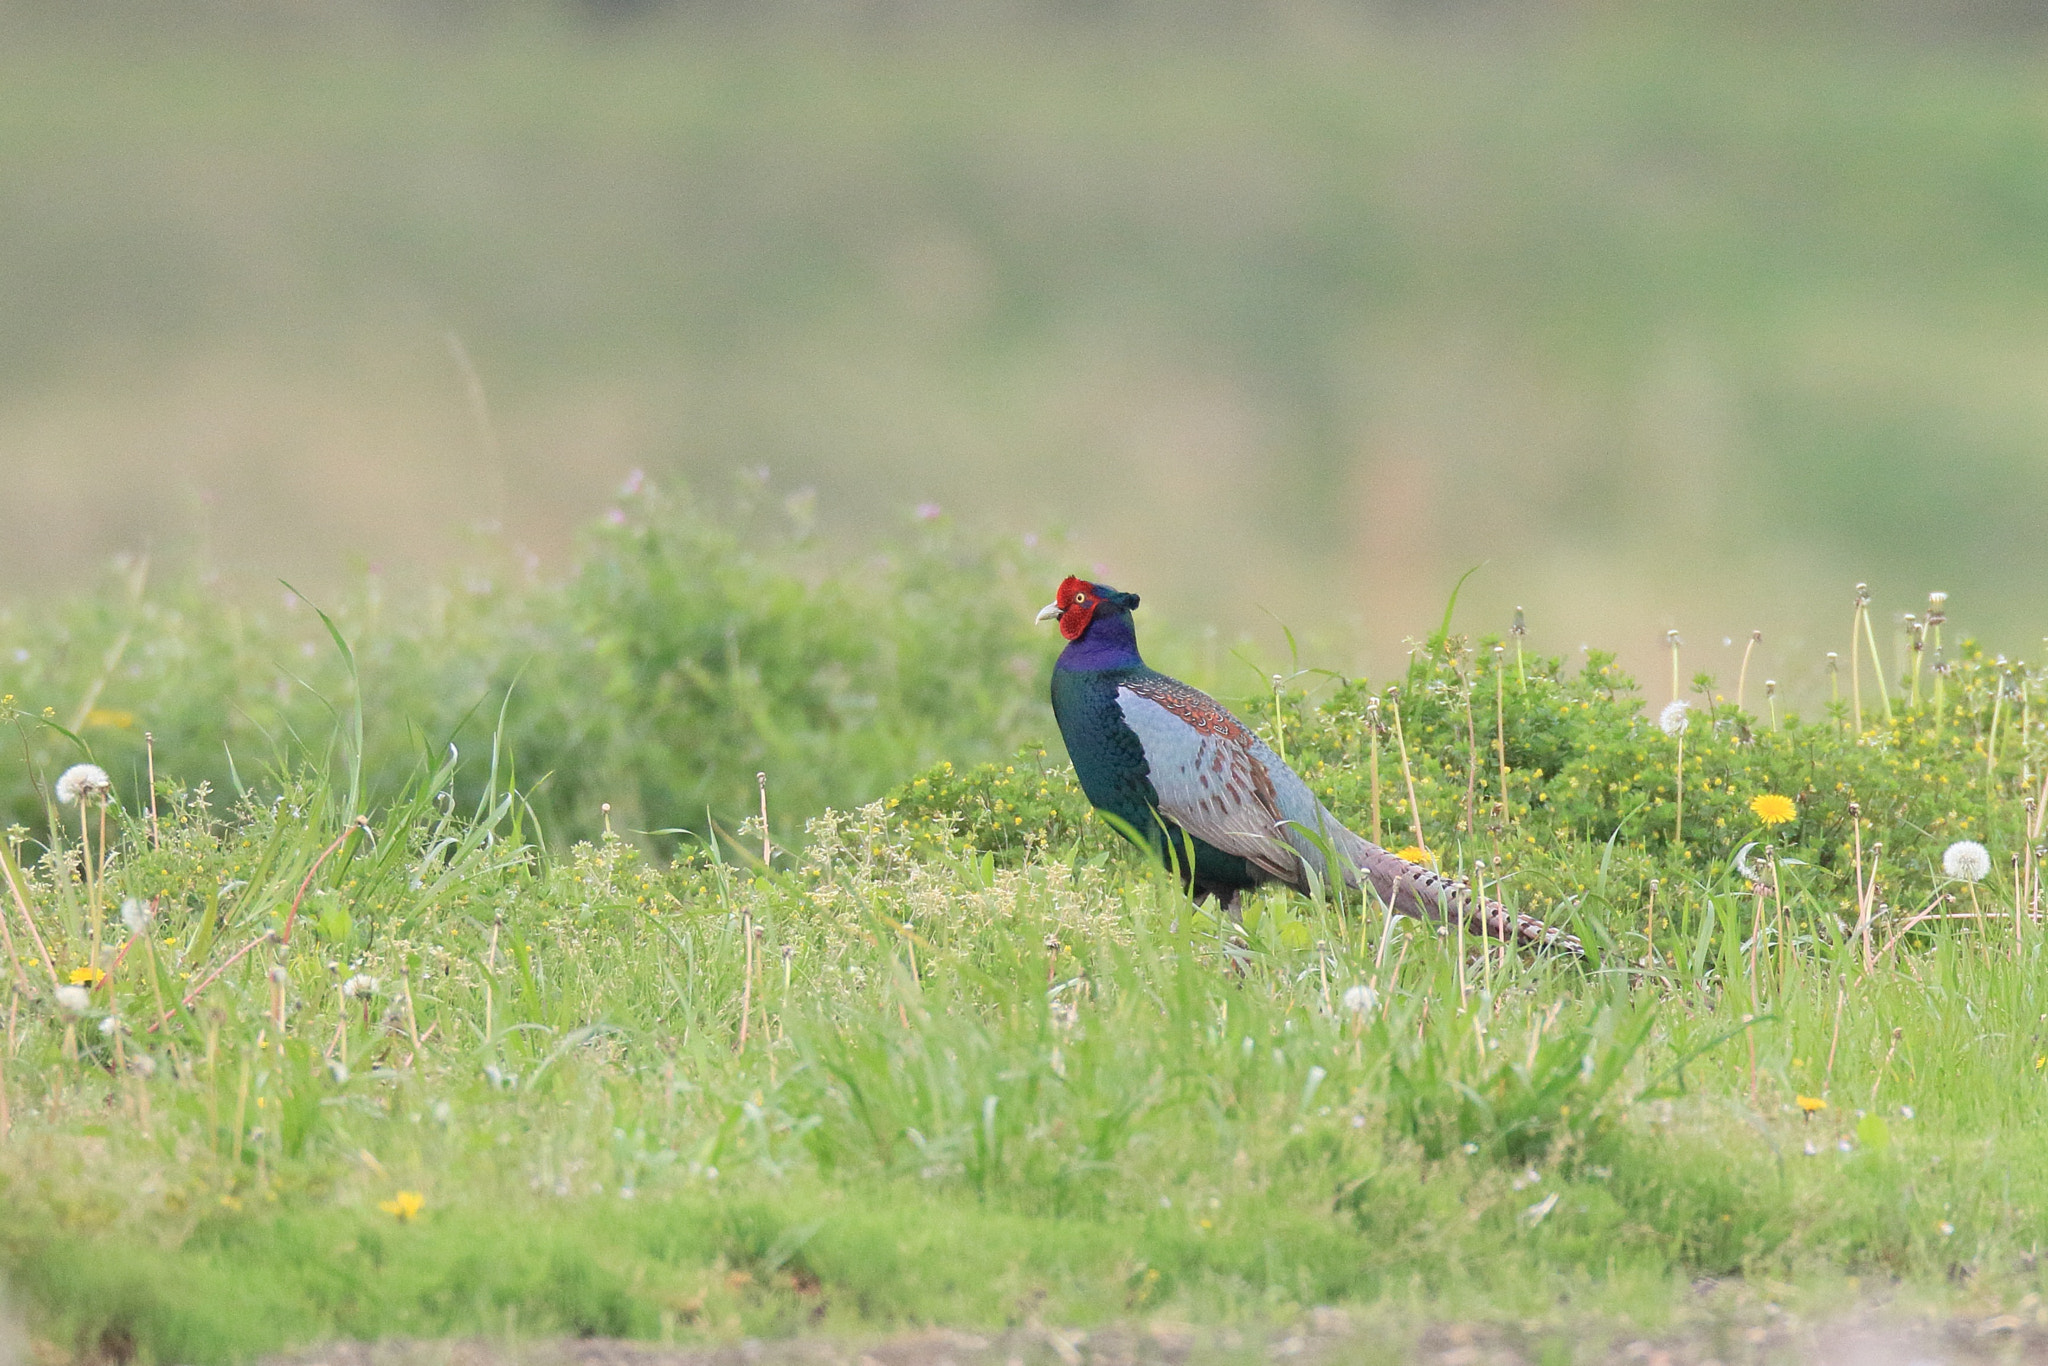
(325, 1057)
(692, 645)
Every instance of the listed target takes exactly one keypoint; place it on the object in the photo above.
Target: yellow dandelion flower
(85, 977)
(1772, 809)
(1810, 1103)
(1416, 854)
(405, 1206)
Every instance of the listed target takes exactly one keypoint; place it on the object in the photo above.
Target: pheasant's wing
(1206, 769)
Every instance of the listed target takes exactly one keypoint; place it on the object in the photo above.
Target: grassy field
(344, 1045)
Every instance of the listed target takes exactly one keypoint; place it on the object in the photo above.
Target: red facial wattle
(1077, 600)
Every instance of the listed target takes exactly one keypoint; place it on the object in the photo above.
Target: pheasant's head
(1080, 602)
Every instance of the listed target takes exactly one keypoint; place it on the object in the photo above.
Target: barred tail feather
(1411, 890)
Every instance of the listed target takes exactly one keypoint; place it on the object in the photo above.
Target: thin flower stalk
(292, 916)
(1856, 656)
(1519, 629)
(1673, 721)
(16, 886)
(1937, 614)
(1407, 772)
(1884, 692)
(1500, 737)
(1372, 732)
(237, 956)
(1742, 674)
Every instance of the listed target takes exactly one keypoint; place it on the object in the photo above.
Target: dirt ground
(1867, 1338)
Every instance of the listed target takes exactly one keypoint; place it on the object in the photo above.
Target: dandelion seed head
(83, 780)
(136, 915)
(1361, 998)
(362, 984)
(73, 1000)
(1967, 860)
(1673, 719)
(110, 1026)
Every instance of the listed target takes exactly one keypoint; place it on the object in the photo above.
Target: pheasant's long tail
(1412, 890)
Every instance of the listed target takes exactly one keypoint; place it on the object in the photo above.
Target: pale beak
(1049, 612)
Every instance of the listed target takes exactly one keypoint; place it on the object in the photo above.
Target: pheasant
(1179, 773)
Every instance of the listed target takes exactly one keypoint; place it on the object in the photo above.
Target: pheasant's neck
(1108, 643)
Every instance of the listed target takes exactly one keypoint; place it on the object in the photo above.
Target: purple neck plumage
(1110, 642)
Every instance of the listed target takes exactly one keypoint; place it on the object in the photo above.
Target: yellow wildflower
(405, 1206)
(1810, 1103)
(1772, 809)
(1416, 854)
(86, 977)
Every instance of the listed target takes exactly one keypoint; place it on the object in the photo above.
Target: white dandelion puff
(1967, 860)
(83, 780)
(73, 1000)
(1360, 999)
(1674, 719)
(110, 1026)
(362, 984)
(136, 915)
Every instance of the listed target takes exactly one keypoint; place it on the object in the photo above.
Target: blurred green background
(1674, 315)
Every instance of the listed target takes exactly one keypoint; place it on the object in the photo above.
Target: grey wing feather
(1211, 786)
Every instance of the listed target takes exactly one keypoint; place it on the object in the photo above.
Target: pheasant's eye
(1080, 598)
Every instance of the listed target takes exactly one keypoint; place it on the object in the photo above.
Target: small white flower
(73, 1000)
(1360, 999)
(136, 915)
(362, 984)
(110, 1026)
(83, 780)
(1673, 719)
(1968, 860)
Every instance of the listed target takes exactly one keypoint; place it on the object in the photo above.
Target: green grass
(692, 645)
(996, 1070)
